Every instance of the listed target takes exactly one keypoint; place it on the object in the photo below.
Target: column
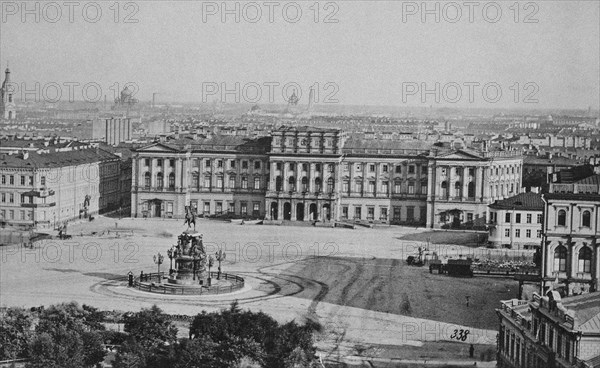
(465, 183)
(293, 209)
(450, 181)
(486, 183)
(179, 174)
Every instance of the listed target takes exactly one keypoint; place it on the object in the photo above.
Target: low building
(550, 332)
(43, 190)
(517, 222)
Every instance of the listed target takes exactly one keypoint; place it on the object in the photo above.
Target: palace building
(312, 174)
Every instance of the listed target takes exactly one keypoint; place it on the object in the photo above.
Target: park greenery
(68, 335)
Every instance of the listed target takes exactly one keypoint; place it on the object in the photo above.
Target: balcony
(38, 205)
(40, 193)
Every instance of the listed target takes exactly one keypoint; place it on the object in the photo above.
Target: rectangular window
(397, 187)
(196, 162)
(518, 218)
(3, 197)
(244, 208)
(231, 207)
(528, 233)
(278, 165)
(232, 164)
(370, 213)
(318, 167)
(11, 198)
(507, 233)
(507, 217)
(146, 162)
(424, 170)
(3, 179)
(346, 187)
(256, 183)
(219, 207)
(256, 209)
(384, 168)
(244, 183)
(245, 165)
(371, 168)
(397, 211)
(411, 188)
(291, 167)
(345, 212)
(305, 167)
(207, 163)
(517, 233)
(371, 187)
(410, 213)
(383, 215)
(330, 168)
(398, 169)
(172, 163)
(220, 164)
(169, 208)
(256, 165)
(357, 213)
(469, 217)
(219, 182)
(207, 208)
(207, 182)
(539, 218)
(529, 218)
(159, 162)
(11, 180)
(411, 169)
(22, 180)
(539, 234)
(385, 187)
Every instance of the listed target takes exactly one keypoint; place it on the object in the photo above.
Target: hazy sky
(375, 51)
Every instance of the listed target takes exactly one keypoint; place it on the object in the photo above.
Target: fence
(158, 287)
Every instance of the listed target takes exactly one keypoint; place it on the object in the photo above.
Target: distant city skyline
(377, 54)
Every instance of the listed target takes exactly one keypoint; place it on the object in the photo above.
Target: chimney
(25, 155)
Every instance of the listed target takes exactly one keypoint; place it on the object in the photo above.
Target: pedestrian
(471, 351)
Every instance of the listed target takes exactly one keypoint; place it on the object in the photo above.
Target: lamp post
(210, 263)
(220, 257)
(170, 254)
(158, 259)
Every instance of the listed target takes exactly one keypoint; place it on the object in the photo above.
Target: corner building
(312, 174)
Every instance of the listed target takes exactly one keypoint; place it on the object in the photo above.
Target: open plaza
(354, 282)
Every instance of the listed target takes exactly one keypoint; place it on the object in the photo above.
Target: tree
(64, 338)
(151, 328)
(15, 332)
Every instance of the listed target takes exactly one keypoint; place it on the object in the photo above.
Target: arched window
(457, 186)
(195, 181)
(560, 259)
(172, 180)
(147, 180)
(585, 260)
(471, 190)
(330, 185)
(444, 189)
(292, 183)
(318, 185)
(586, 219)
(278, 184)
(304, 184)
(562, 218)
(159, 180)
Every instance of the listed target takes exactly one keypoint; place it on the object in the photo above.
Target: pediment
(459, 155)
(157, 147)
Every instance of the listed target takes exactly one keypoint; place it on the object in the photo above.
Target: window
(256, 165)
(345, 186)
(586, 219)
(318, 167)
(345, 212)
(207, 182)
(562, 218)
(195, 181)
(528, 233)
(507, 233)
(231, 181)
(410, 213)
(220, 164)
(159, 180)
(170, 208)
(256, 209)
(232, 164)
(411, 169)
(507, 217)
(245, 165)
(11, 180)
(370, 213)
(397, 211)
(371, 186)
(244, 182)
(539, 218)
(207, 207)
(397, 186)
(444, 189)
(383, 215)
(560, 259)
(207, 163)
(3, 197)
(517, 233)
(172, 180)
(385, 187)
(305, 167)
(318, 185)
(411, 188)
(357, 212)
(147, 180)
(518, 218)
(218, 208)
(3, 179)
(22, 180)
(172, 164)
(330, 168)
(278, 166)
(359, 186)
(471, 171)
(529, 218)
(539, 234)
(371, 168)
(398, 169)
(304, 183)
(423, 187)
(256, 183)
(146, 162)
(159, 162)
(220, 182)
(291, 166)
(469, 217)
(196, 162)
(585, 260)
(231, 207)
(330, 185)
(292, 184)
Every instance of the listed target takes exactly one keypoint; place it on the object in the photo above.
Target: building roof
(521, 202)
(587, 311)
(56, 159)
(594, 179)
(546, 161)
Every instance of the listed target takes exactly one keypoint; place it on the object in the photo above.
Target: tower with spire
(7, 104)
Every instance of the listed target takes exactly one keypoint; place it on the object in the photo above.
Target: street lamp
(158, 259)
(220, 257)
(170, 254)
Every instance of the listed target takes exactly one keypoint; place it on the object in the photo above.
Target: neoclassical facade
(312, 174)
(571, 229)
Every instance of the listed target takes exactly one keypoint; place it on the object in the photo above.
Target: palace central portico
(312, 174)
